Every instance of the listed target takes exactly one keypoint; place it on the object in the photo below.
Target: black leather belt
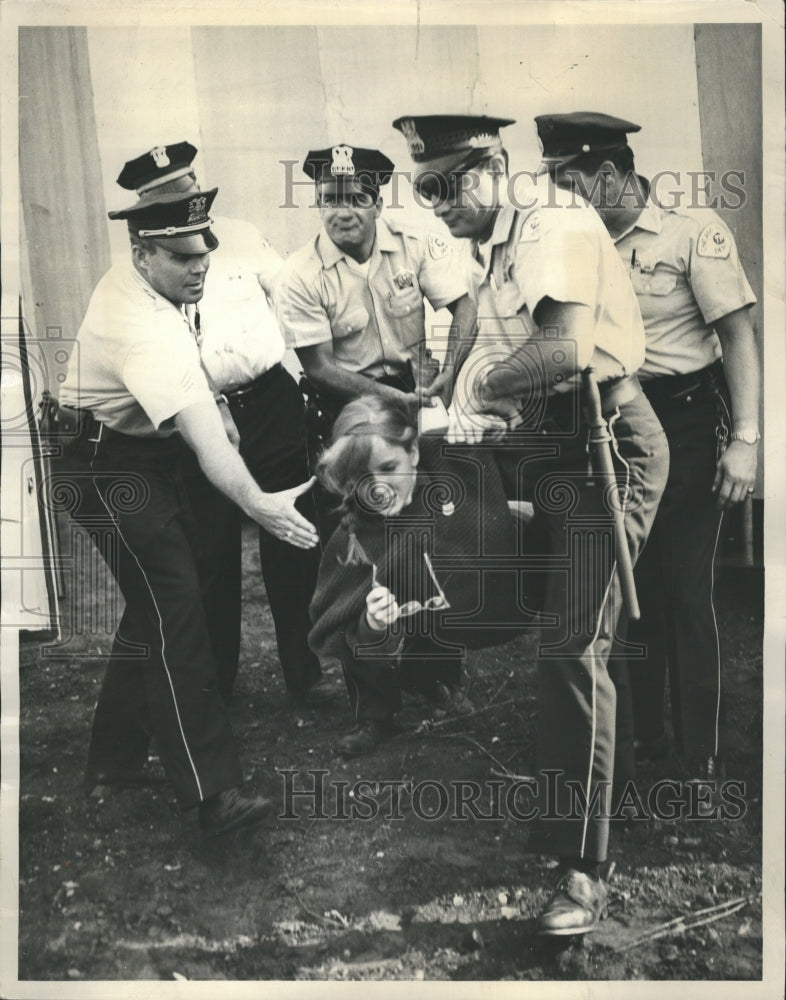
(613, 393)
(247, 392)
(667, 387)
(70, 423)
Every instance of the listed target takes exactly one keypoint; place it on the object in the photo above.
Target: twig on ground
(688, 921)
(505, 773)
(499, 690)
(462, 718)
(329, 921)
(309, 828)
(480, 747)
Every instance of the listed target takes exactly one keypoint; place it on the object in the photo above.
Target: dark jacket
(459, 518)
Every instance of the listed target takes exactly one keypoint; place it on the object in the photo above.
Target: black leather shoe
(449, 700)
(365, 737)
(230, 810)
(320, 692)
(99, 784)
(576, 905)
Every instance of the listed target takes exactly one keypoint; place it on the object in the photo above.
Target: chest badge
(647, 260)
(404, 279)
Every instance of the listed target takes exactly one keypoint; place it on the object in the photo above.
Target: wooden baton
(599, 439)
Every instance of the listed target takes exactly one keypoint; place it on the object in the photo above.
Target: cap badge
(416, 144)
(196, 210)
(160, 157)
(342, 165)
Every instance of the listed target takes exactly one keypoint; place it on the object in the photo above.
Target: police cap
(177, 222)
(158, 166)
(565, 137)
(447, 143)
(367, 169)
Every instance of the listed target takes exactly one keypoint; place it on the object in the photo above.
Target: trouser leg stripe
(160, 630)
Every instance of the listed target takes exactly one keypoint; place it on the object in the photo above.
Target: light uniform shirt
(239, 335)
(135, 362)
(686, 273)
(556, 247)
(375, 314)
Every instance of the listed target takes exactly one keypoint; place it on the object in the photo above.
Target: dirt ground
(125, 888)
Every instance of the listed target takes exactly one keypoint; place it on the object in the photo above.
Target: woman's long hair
(343, 468)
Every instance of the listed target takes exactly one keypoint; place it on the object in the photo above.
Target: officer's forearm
(741, 365)
(326, 375)
(561, 347)
(203, 431)
(462, 334)
(534, 369)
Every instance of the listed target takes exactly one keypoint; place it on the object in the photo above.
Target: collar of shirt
(650, 220)
(159, 301)
(500, 233)
(330, 254)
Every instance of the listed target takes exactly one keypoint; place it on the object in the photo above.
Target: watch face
(747, 436)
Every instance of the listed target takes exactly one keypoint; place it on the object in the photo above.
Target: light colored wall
(251, 97)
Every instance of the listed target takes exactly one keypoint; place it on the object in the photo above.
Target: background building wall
(251, 97)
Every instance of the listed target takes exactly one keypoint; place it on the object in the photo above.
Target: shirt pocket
(400, 304)
(351, 322)
(661, 281)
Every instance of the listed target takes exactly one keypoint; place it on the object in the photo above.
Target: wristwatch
(748, 435)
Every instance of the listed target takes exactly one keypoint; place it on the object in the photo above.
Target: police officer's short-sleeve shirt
(686, 272)
(374, 314)
(240, 338)
(135, 363)
(556, 247)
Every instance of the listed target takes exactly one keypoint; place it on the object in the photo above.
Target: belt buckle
(96, 440)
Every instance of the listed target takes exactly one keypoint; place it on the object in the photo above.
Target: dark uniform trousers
(270, 420)
(677, 632)
(577, 693)
(130, 495)
(374, 686)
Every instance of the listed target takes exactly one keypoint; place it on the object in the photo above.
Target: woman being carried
(424, 565)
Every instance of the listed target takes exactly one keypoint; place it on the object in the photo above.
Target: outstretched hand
(276, 513)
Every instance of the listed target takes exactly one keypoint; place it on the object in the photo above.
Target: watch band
(750, 435)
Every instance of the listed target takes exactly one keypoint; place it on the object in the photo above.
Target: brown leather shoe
(230, 810)
(576, 905)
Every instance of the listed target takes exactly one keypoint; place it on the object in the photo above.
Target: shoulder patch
(437, 247)
(530, 231)
(714, 241)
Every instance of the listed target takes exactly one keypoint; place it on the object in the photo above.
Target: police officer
(701, 374)
(351, 302)
(241, 348)
(134, 388)
(552, 300)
